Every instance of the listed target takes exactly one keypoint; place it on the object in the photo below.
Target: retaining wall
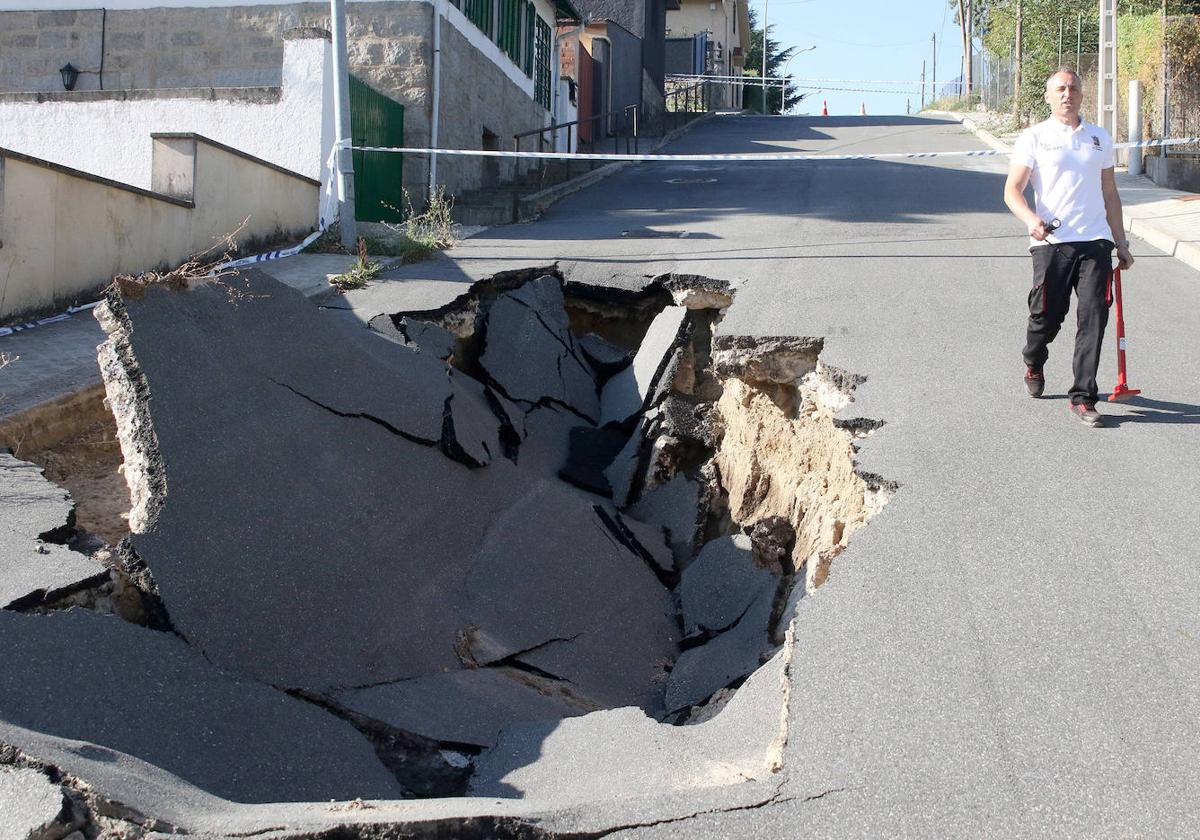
(1176, 173)
(65, 233)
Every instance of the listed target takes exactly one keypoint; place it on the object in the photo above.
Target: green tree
(776, 58)
(1042, 24)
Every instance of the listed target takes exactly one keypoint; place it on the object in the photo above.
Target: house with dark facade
(615, 60)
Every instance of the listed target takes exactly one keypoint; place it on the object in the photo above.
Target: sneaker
(1087, 413)
(1035, 383)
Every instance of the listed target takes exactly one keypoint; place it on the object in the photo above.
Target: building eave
(566, 12)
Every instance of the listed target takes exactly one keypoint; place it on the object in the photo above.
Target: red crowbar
(1122, 391)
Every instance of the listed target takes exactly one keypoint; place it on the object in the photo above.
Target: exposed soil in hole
(796, 464)
(88, 465)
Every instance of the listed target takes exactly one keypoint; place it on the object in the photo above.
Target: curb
(1186, 251)
(970, 124)
(538, 202)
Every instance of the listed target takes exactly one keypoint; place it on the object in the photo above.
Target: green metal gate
(376, 120)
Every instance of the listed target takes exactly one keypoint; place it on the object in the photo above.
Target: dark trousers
(1085, 267)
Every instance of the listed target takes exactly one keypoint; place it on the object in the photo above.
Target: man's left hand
(1124, 258)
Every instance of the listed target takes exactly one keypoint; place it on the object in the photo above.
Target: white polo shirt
(1066, 164)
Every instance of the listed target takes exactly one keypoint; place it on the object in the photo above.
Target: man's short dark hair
(1065, 69)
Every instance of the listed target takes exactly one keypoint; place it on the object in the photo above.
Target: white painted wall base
(109, 136)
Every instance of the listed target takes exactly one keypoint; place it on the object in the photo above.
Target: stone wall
(145, 48)
(389, 47)
(468, 109)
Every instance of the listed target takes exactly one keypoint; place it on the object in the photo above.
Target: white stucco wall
(111, 137)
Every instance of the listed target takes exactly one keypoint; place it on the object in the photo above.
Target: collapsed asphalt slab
(151, 696)
(411, 536)
(322, 464)
(35, 520)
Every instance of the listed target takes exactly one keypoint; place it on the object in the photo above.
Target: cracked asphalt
(1013, 646)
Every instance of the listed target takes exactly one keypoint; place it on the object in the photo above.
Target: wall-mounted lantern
(70, 74)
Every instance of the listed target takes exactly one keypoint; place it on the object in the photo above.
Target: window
(520, 33)
(479, 12)
(509, 30)
(530, 17)
(541, 79)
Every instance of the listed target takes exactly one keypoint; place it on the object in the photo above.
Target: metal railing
(685, 101)
(621, 124)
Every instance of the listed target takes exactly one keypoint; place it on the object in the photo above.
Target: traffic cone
(824, 108)
(862, 109)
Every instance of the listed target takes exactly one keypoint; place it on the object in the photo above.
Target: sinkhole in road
(540, 501)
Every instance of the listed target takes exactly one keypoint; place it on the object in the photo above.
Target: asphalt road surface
(1012, 647)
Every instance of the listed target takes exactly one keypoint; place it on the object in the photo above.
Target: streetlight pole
(341, 126)
(784, 76)
(764, 63)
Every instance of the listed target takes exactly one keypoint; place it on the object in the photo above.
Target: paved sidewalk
(50, 361)
(58, 359)
(1167, 219)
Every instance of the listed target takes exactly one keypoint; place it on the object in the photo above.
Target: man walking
(1073, 227)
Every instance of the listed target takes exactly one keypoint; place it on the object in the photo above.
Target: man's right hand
(1038, 230)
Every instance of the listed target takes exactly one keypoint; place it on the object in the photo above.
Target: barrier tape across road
(327, 201)
(747, 156)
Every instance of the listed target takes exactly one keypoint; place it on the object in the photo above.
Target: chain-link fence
(1160, 50)
(1164, 54)
(994, 78)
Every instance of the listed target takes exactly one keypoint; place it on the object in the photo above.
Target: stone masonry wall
(145, 48)
(389, 47)
(468, 108)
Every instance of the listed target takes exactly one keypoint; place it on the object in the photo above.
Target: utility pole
(1166, 104)
(964, 20)
(933, 85)
(970, 47)
(922, 85)
(1078, 41)
(1106, 89)
(1017, 68)
(341, 126)
(1135, 126)
(765, 110)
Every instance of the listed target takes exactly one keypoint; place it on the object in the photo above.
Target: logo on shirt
(1095, 142)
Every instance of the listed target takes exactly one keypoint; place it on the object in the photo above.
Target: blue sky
(867, 39)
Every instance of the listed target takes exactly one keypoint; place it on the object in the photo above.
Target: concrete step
(482, 214)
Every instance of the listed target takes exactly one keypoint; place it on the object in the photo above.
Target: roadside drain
(537, 503)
